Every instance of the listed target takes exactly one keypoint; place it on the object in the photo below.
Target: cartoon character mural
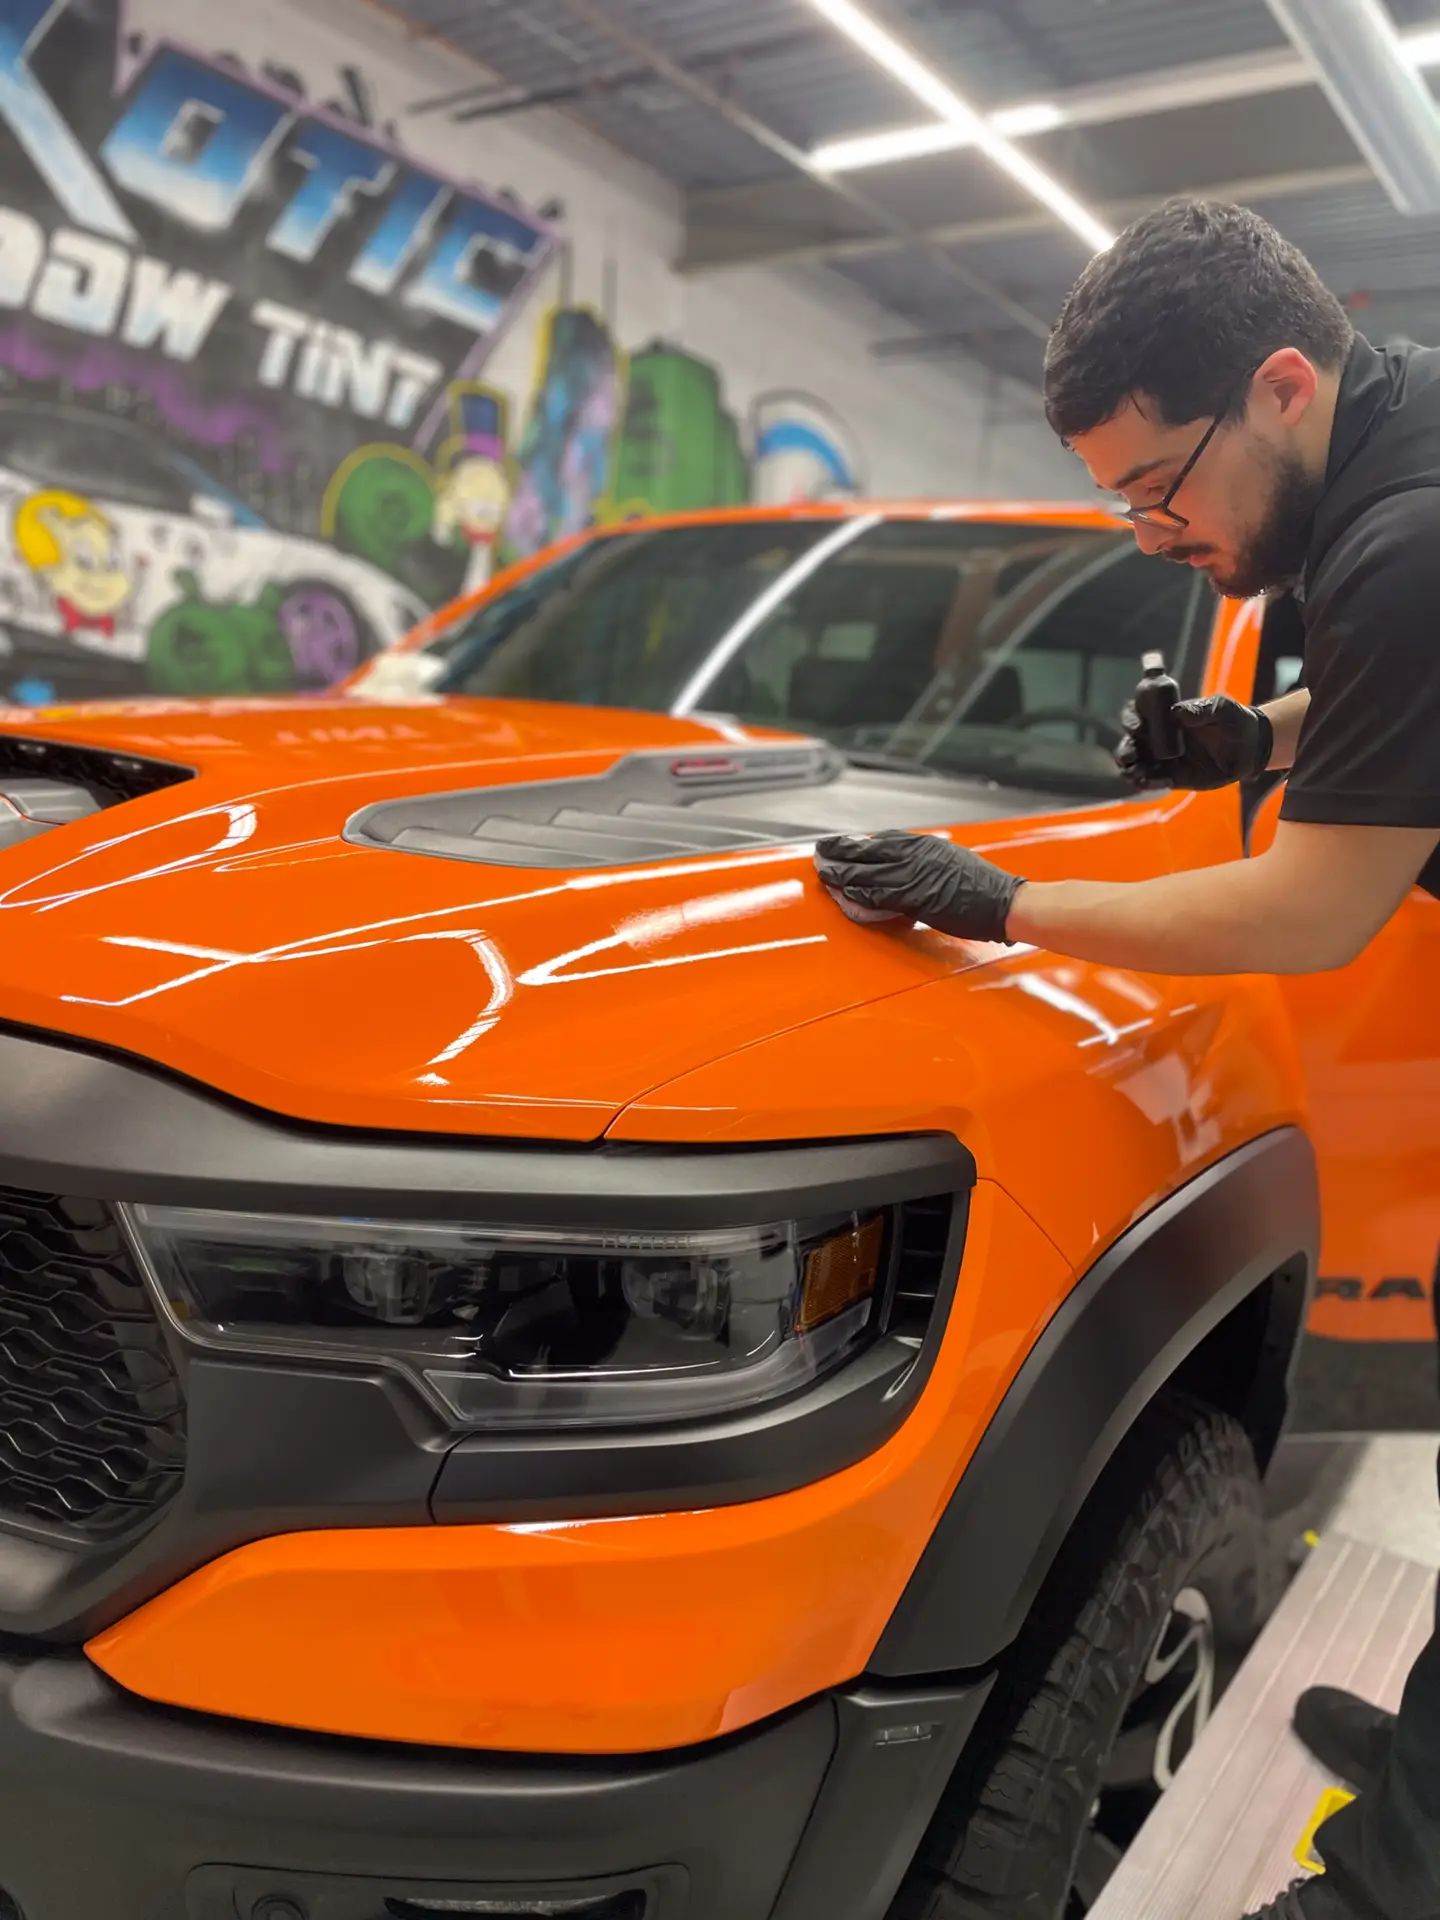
(563, 463)
(74, 548)
(380, 508)
(200, 647)
(472, 490)
(435, 529)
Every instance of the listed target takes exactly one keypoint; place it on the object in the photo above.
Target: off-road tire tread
(1003, 1840)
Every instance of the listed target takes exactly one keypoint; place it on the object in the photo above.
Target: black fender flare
(1126, 1328)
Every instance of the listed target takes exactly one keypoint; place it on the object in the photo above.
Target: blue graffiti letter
(340, 167)
(192, 141)
(474, 269)
(36, 123)
(82, 283)
(407, 220)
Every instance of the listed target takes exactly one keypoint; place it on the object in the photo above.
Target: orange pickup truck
(545, 1371)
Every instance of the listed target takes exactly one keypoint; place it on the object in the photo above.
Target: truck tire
(1155, 1598)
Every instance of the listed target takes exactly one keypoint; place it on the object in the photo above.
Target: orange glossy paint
(1369, 1039)
(493, 1000)
(599, 1636)
(1089, 1092)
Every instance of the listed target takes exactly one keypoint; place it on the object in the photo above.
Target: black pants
(1382, 1853)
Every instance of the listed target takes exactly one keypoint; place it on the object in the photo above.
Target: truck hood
(223, 927)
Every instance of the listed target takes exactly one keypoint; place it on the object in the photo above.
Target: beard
(1274, 554)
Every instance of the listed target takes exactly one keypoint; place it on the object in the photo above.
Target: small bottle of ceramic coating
(1155, 699)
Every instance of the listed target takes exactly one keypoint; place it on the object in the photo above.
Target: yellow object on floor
(1331, 1801)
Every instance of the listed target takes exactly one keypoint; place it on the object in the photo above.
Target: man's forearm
(1286, 717)
(1227, 919)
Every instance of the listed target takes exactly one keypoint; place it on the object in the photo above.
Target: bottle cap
(1152, 663)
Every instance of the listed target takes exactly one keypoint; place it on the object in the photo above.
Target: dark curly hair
(1190, 299)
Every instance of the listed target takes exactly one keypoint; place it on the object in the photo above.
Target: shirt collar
(1365, 388)
(1366, 391)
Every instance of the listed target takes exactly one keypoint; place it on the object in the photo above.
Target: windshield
(1004, 650)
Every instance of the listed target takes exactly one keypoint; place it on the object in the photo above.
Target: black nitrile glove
(916, 877)
(1222, 741)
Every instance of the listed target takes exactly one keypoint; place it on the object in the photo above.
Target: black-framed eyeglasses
(1162, 515)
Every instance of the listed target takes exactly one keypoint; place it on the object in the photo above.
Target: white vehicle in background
(125, 567)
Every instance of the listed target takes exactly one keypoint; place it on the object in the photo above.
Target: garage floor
(1381, 1491)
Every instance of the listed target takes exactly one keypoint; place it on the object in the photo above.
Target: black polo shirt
(1369, 597)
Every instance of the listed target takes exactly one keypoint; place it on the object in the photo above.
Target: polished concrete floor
(1381, 1491)
(1391, 1499)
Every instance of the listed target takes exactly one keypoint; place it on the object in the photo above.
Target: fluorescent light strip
(1421, 47)
(933, 136)
(948, 106)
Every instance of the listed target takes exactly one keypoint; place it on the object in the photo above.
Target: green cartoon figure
(380, 506)
(201, 647)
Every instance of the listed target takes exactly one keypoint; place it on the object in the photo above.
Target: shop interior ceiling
(730, 98)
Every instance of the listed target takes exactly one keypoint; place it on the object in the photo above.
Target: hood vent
(45, 784)
(640, 810)
(109, 778)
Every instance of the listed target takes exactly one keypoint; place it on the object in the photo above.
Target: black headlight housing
(511, 1328)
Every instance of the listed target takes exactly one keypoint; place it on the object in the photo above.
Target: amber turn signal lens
(840, 1272)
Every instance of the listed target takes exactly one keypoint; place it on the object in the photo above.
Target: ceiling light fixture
(1032, 116)
(931, 136)
(1420, 47)
(879, 149)
(943, 101)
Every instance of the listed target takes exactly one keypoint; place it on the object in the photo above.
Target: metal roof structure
(726, 98)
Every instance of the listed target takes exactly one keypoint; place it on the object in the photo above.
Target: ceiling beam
(900, 234)
(1376, 92)
(487, 98)
(1012, 226)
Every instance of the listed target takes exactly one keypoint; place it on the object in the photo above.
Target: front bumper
(113, 1809)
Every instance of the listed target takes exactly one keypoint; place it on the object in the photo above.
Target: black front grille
(92, 1415)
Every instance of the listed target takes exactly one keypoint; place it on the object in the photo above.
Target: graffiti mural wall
(249, 427)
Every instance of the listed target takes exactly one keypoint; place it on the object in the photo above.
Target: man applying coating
(1202, 371)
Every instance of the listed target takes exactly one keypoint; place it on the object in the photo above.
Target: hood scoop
(641, 809)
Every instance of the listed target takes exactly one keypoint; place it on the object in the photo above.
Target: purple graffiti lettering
(217, 423)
